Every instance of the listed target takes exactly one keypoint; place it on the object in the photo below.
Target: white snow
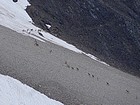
(49, 26)
(14, 16)
(13, 92)
(95, 58)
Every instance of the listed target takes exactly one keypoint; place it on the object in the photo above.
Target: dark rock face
(108, 29)
(15, 0)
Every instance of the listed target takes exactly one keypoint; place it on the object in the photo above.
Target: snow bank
(14, 16)
(13, 92)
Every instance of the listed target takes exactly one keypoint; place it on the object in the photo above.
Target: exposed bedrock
(108, 29)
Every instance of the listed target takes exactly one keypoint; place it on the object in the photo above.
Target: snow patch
(49, 26)
(13, 92)
(95, 58)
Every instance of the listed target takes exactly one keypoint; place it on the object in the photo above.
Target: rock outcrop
(108, 29)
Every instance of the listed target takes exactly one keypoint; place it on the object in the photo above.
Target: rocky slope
(109, 29)
(63, 75)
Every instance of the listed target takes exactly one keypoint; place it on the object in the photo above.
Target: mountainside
(66, 76)
(70, 74)
(108, 29)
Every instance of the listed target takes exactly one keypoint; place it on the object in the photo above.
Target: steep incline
(64, 75)
(109, 29)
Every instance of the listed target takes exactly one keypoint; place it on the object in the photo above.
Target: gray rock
(108, 29)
